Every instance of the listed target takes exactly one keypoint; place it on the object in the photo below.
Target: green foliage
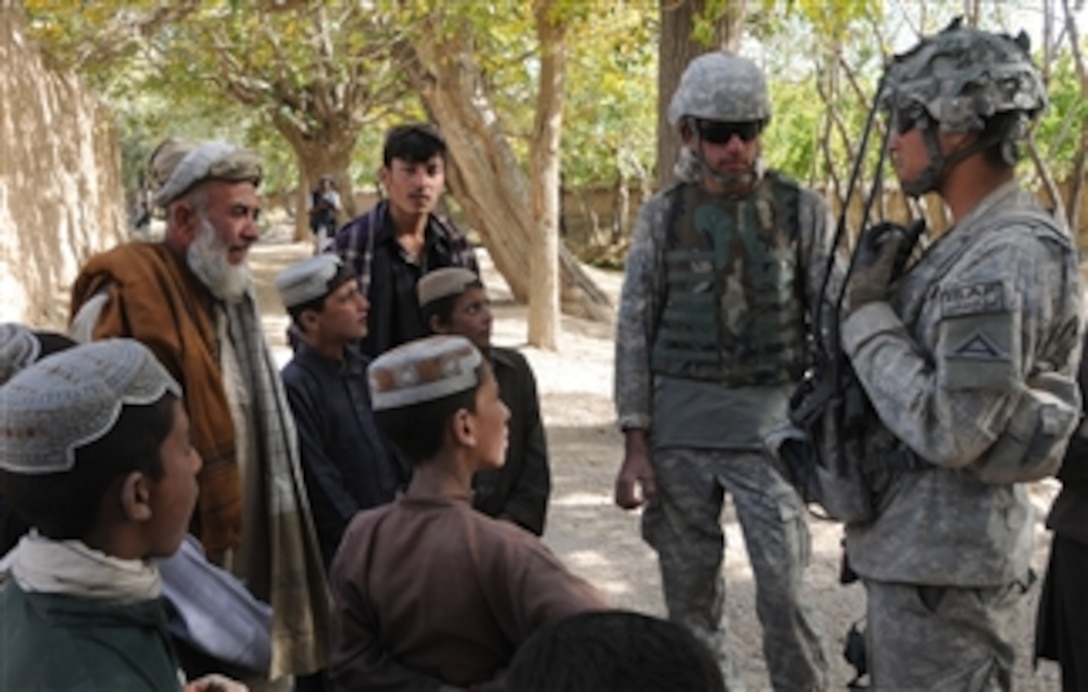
(1058, 131)
(791, 143)
(611, 113)
(610, 116)
(250, 71)
(242, 69)
(821, 86)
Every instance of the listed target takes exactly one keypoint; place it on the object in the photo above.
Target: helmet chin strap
(939, 163)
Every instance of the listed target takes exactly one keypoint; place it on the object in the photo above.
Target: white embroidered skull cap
(72, 398)
(312, 278)
(423, 370)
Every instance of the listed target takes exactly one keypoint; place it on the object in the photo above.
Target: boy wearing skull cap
(95, 454)
(454, 301)
(198, 595)
(347, 464)
(429, 592)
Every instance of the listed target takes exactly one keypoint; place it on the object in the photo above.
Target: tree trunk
(544, 178)
(621, 210)
(676, 48)
(484, 174)
(320, 116)
(328, 155)
(971, 12)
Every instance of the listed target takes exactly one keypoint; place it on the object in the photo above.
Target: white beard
(207, 257)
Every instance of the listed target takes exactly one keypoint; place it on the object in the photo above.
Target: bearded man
(191, 301)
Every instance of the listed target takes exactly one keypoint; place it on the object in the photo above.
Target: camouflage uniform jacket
(643, 295)
(993, 302)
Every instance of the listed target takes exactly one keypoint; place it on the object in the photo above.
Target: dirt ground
(600, 541)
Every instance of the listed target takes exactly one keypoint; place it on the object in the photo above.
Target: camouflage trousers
(942, 638)
(683, 524)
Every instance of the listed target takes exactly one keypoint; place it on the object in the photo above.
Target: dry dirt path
(601, 542)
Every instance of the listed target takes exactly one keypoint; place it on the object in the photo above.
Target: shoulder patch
(978, 345)
(973, 299)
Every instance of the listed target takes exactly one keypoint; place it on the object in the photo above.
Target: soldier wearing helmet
(962, 82)
(968, 360)
(711, 339)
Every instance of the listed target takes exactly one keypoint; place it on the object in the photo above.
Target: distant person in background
(454, 301)
(325, 208)
(142, 220)
(613, 651)
(347, 463)
(402, 238)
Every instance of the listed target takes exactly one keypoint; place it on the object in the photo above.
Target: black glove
(882, 252)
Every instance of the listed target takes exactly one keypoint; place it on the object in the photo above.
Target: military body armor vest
(732, 310)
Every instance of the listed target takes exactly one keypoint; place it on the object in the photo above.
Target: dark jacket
(519, 490)
(58, 642)
(390, 277)
(1069, 513)
(345, 460)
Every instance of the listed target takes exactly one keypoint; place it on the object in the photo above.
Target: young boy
(95, 454)
(454, 301)
(346, 463)
(429, 592)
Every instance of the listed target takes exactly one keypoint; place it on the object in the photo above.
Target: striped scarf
(280, 559)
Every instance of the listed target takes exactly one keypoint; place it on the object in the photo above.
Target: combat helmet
(959, 79)
(721, 86)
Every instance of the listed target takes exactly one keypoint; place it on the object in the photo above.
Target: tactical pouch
(821, 453)
(825, 456)
(1033, 443)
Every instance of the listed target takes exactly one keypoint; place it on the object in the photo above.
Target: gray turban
(179, 164)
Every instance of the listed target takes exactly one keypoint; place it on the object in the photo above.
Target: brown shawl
(154, 298)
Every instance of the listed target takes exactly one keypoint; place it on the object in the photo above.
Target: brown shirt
(429, 592)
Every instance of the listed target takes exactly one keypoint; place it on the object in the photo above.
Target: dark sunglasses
(904, 120)
(722, 133)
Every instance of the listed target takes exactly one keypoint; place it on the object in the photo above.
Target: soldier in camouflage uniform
(721, 276)
(968, 360)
